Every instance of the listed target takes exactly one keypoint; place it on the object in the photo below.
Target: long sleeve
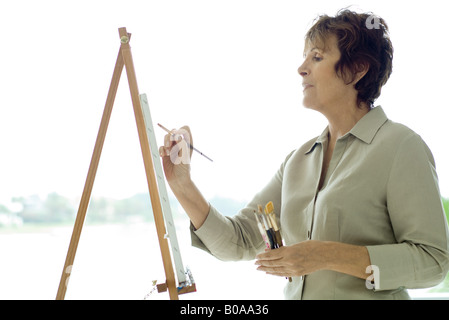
(420, 258)
(380, 191)
(238, 237)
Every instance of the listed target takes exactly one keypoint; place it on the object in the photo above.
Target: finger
(189, 138)
(177, 135)
(276, 271)
(167, 140)
(164, 152)
(271, 254)
(183, 135)
(269, 263)
(279, 274)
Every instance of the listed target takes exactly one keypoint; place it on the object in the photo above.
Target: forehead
(325, 44)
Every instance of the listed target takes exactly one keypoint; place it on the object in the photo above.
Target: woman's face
(323, 89)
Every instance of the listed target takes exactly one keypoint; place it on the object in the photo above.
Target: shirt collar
(365, 129)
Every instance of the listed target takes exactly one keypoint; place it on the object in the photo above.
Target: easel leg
(85, 198)
(149, 167)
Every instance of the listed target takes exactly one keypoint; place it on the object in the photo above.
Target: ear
(361, 70)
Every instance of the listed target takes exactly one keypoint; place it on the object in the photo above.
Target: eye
(317, 58)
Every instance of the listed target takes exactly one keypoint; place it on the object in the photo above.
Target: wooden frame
(124, 59)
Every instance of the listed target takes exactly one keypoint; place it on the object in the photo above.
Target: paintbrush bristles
(269, 207)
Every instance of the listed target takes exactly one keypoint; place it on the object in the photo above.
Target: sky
(228, 69)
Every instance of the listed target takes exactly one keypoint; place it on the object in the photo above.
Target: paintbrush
(269, 211)
(188, 144)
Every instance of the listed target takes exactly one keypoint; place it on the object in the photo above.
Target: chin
(312, 106)
(308, 104)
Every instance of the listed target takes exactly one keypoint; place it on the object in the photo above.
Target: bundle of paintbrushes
(269, 227)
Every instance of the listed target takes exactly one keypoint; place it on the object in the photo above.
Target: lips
(306, 86)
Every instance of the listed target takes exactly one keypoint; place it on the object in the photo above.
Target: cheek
(319, 96)
(328, 88)
(331, 88)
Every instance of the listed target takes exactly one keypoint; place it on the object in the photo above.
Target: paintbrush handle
(188, 144)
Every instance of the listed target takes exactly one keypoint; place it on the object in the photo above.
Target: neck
(342, 121)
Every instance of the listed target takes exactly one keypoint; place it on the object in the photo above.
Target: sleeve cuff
(390, 266)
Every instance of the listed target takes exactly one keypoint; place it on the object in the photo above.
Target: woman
(359, 206)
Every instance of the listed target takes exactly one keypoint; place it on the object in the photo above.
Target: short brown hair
(363, 40)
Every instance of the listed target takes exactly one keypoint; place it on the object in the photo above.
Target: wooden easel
(124, 59)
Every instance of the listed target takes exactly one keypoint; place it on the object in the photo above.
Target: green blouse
(380, 191)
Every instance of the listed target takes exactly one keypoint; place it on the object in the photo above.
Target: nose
(303, 70)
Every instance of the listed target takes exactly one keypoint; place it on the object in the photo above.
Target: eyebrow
(314, 48)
